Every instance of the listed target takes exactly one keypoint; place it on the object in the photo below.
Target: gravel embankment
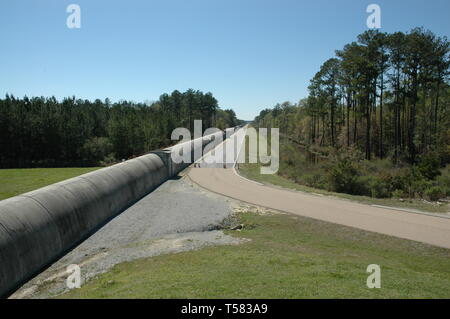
(178, 216)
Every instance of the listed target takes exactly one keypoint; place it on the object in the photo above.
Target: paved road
(423, 228)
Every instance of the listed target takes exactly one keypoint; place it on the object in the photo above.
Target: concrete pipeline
(38, 227)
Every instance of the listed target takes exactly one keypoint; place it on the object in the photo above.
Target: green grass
(18, 181)
(252, 171)
(288, 257)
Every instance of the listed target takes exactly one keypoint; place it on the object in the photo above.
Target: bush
(108, 160)
(384, 184)
(346, 171)
(407, 182)
(364, 185)
(412, 182)
(343, 177)
(97, 149)
(398, 193)
(380, 188)
(444, 180)
(434, 193)
(419, 187)
(429, 166)
(314, 180)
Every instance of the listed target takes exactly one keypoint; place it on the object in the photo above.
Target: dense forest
(45, 132)
(376, 120)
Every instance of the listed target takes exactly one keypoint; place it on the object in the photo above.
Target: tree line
(385, 94)
(45, 132)
(375, 122)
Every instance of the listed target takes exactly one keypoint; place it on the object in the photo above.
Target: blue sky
(250, 54)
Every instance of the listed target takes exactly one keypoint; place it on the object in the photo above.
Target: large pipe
(39, 226)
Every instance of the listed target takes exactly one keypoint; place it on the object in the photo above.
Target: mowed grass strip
(252, 171)
(18, 181)
(288, 257)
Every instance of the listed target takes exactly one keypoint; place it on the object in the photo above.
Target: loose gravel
(177, 216)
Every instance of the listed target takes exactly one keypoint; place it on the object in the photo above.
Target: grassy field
(252, 171)
(18, 181)
(288, 257)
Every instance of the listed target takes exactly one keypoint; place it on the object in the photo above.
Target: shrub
(308, 180)
(364, 185)
(429, 165)
(108, 160)
(412, 182)
(380, 188)
(314, 180)
(434, 193)
(398, 193)
(444, 179)
(343, 177)
(381, 185)
(419, 187)
(97, 149)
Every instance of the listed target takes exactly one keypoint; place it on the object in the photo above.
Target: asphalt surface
(419, 227)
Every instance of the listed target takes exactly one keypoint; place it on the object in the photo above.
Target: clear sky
(250, 54)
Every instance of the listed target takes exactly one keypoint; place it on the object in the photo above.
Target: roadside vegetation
(18, 181)
(45, 132)
(287, 257)
(294, 182)
(376, 121)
